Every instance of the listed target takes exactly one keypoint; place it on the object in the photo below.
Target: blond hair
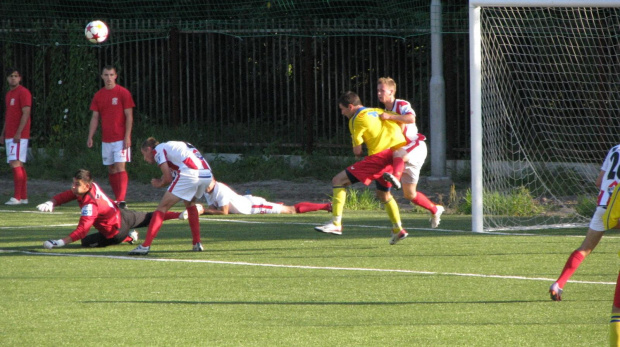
(388, 81)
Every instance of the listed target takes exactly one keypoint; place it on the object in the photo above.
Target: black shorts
(129, 220)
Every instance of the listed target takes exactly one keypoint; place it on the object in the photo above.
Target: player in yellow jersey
(381, 138)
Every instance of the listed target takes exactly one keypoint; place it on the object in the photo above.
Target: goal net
(545, 109)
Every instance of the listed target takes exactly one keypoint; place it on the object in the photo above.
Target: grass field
(272, 281)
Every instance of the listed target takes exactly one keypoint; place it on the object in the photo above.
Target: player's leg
(157, 218)
(98, 240)
(391, 208)
(399, 158)
(121, 157)
(593, 237)
(339, 196)
(16, 153)
(304, 207)
(614, 323)
(194, 224)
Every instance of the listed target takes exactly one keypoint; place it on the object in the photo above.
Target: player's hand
(385, 116)
(49, 244)
(47, 206)
(89, 143)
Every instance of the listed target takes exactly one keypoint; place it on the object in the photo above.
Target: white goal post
(545, 106)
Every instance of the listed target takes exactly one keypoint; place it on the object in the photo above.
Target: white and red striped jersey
(611, 165)
(403, 107)
(180, 156)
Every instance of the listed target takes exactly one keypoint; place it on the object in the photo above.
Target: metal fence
(279, 89)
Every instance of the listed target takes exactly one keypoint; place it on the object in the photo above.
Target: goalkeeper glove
(46, 207)
(49, 244)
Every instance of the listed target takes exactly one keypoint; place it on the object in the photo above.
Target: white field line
(304, 267)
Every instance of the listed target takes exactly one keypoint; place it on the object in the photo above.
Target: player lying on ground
(222, 200)
(113, 224)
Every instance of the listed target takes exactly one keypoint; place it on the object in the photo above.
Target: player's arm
(358, 151)
(166, 176)
(128, 127)
(2, 133)
(57, 200)
(89, 214)
(94, 123)
(222, 210)
(22, 123)
(400, 118)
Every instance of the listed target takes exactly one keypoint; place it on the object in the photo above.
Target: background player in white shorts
(606, 181)
(222, 200)
(16, 132)
(413, 154)
(113, 104)
(188, 175)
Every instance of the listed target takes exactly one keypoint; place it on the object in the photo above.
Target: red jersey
(111, 105)
(97, 210)
(16, 100)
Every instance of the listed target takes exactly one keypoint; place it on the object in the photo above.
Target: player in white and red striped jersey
(408, 160)
(607, 181)
(98, 211)
(188, 175)
(222, 200)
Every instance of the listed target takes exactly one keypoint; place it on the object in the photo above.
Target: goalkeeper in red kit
(97, 210)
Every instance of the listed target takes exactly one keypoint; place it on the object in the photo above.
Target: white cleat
(330, 228)
(13, 201)
(184, 215)
(197, 247)
(134, 237)
(436, 218)
(401, 235)
(140, 250)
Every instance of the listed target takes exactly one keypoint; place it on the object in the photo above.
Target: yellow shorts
(612, 214)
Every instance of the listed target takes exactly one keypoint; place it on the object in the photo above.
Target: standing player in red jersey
(16, 132)
(112, 223)
(408, 160)
(113, 104)
(188, 175)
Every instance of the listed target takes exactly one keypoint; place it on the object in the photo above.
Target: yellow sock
(614, 330)
(391, 207)
(338, 200)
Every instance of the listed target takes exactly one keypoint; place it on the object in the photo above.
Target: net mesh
(36, 22)
(550, 96)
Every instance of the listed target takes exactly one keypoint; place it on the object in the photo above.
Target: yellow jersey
(367, 127)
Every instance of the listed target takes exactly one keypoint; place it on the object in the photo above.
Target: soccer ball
(96, 31)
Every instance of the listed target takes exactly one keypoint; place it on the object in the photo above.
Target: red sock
(194, 223)
(113, 178)
(156, 221)
(24, 187)
(573, 262)
(122, 180)
(304, 207)
(128, 239)
(398, 165)
(421, 200)
(18, 178)
(172, 215)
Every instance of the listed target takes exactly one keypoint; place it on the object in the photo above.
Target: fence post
(174, 75)
(309, 94)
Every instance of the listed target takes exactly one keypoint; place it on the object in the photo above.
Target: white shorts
(189, 184)
(113, 152)
(16, 151)
(596, 223)
(413, 165)
(262, 206)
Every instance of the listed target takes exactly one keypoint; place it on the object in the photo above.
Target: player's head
(147, 149)
(108, 75)
(386, 89)
(13, 76)
(348, 103)
(82, 181)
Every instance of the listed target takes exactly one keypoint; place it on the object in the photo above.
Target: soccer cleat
(184, 215)
(24, 201)
(197, 247)
(555, 292)
(122, 205)
(392, 179)
(13, 201)
(330, 228)
(401, 235)
(134, 237)
(140, 250)
(436, 218)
